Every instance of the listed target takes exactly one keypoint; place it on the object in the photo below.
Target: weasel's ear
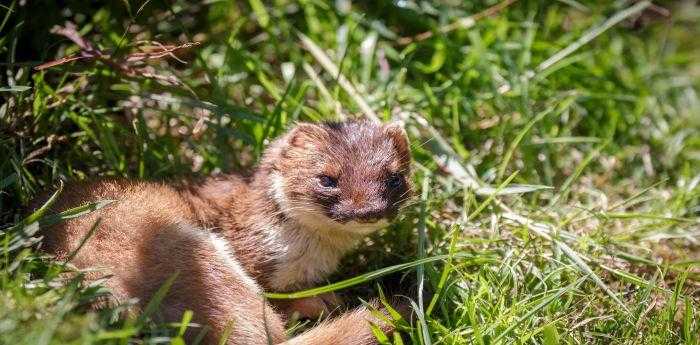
(306, 135)
(398, 135)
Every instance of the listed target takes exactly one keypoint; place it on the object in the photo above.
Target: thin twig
(124, 66)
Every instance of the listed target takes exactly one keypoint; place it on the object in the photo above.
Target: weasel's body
(317, 190)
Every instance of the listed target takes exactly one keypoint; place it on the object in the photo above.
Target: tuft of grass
(556, 153)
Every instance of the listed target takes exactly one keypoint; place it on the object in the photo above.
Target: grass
(556, 150)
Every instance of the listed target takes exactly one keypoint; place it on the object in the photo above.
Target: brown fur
(229, 238)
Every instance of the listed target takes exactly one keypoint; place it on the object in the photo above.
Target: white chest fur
(302, 258)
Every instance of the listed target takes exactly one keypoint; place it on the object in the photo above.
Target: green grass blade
(331, 68)
(564, 189)
(445, 271)
(545, 302)
(87, 236)
(488, 200)
(573, 256)
(156, 300)
(420, 269)
(260, 12)
(42, 210)
(593, 33)
(470, 259)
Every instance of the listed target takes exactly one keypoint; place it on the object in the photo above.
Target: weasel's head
(348, 176)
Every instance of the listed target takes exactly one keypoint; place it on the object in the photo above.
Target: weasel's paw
(314, 307)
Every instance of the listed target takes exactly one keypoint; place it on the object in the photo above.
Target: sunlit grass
(556, 153)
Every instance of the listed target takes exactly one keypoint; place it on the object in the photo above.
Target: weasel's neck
(277, 251)
(302, 257)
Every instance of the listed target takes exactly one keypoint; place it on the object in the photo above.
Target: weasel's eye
(394, 181)
(327, 181)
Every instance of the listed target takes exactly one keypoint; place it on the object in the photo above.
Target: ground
(556, 150)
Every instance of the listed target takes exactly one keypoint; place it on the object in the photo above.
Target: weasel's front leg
(212, 284)
(310, 307)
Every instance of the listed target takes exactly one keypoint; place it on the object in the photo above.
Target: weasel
(317, 190)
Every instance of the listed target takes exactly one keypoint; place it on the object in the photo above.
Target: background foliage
(556, 148)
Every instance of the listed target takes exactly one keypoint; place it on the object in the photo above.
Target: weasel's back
(137, 209)
(127, 233)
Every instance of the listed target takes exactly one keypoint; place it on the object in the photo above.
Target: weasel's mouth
(379, 218)
(364, 221)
